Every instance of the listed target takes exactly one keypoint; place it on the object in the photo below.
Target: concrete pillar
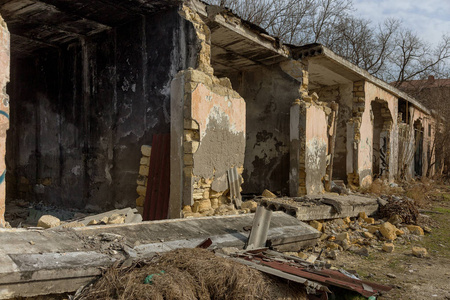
(4, 111)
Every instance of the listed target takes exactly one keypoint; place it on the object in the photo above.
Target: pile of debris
(189, 274)
(364, 234)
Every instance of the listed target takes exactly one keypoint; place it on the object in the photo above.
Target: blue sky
(428, 18)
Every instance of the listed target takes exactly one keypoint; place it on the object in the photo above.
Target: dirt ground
(413, 277)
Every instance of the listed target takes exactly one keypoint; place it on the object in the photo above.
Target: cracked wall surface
(78, 127)
(4, 111)
(208, 138)
(268, 92)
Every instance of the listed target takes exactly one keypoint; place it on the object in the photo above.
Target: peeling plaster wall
(342, 95)
(209, 128)
(78, 126)
(269, 93)
(309, 147)
(4, 110)
(365, 154)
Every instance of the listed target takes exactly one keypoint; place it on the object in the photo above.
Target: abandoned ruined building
(86, 85)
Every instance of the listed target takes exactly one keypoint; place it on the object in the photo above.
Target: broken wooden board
(313, 208)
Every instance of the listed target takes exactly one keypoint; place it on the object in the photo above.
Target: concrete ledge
(313, 207)
(50, 261)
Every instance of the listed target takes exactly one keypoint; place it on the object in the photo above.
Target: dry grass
(190, 274)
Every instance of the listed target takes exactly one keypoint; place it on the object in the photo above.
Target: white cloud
(429, 18)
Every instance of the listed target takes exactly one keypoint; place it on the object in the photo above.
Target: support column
(4, 111)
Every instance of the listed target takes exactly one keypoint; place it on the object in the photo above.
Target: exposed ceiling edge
(315, 50)
(261, 38)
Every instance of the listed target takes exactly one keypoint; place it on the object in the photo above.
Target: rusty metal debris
(319, 280)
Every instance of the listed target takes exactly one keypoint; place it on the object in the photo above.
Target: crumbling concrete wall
(309, 141)
(427, 124)
(360, 131)
(207, 133)
(343, 95)
(4, 111)
(309, 147)
(268, 92)
(208, 138)
(77, 129)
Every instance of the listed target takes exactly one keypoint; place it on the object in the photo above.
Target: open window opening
(418, 154)
(381, 123)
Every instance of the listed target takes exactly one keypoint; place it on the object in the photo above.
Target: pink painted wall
(316, 149)
(365, 154)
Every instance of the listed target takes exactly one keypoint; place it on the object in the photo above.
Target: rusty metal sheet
(323, 276)
(156, 204)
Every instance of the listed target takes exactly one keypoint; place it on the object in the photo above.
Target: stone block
(268, 194)
(388, 231)
(317, 225)
(48, 221)
(417, 230)
(140, 201)
(191, 146)
(141, 190)
(146, 150)
(143, 170)
(142, 180)
(369, 220)
(188, 159)
(362, 215)
(145, 161)
(419, 252)
(201, 206)
(388, 247)
(190, 124)
(252, 205)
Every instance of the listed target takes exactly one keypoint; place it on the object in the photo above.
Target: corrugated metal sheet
(234, 182)
(156, 204)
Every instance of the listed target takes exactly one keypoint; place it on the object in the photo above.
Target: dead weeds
(189, 274)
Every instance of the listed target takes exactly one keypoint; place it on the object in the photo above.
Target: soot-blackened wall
(80, 114)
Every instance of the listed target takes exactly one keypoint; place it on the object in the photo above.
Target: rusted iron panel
(323, 276)
(156, 204)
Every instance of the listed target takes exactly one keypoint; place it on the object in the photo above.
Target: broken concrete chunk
(419, 251)
(48, 221)
(93, 222)
(268, 194)
(362, 215)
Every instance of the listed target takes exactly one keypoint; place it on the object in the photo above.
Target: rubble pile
(204, 209)
(363, 235)
(404, 207)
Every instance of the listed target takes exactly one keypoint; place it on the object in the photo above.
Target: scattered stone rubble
(363, 235)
